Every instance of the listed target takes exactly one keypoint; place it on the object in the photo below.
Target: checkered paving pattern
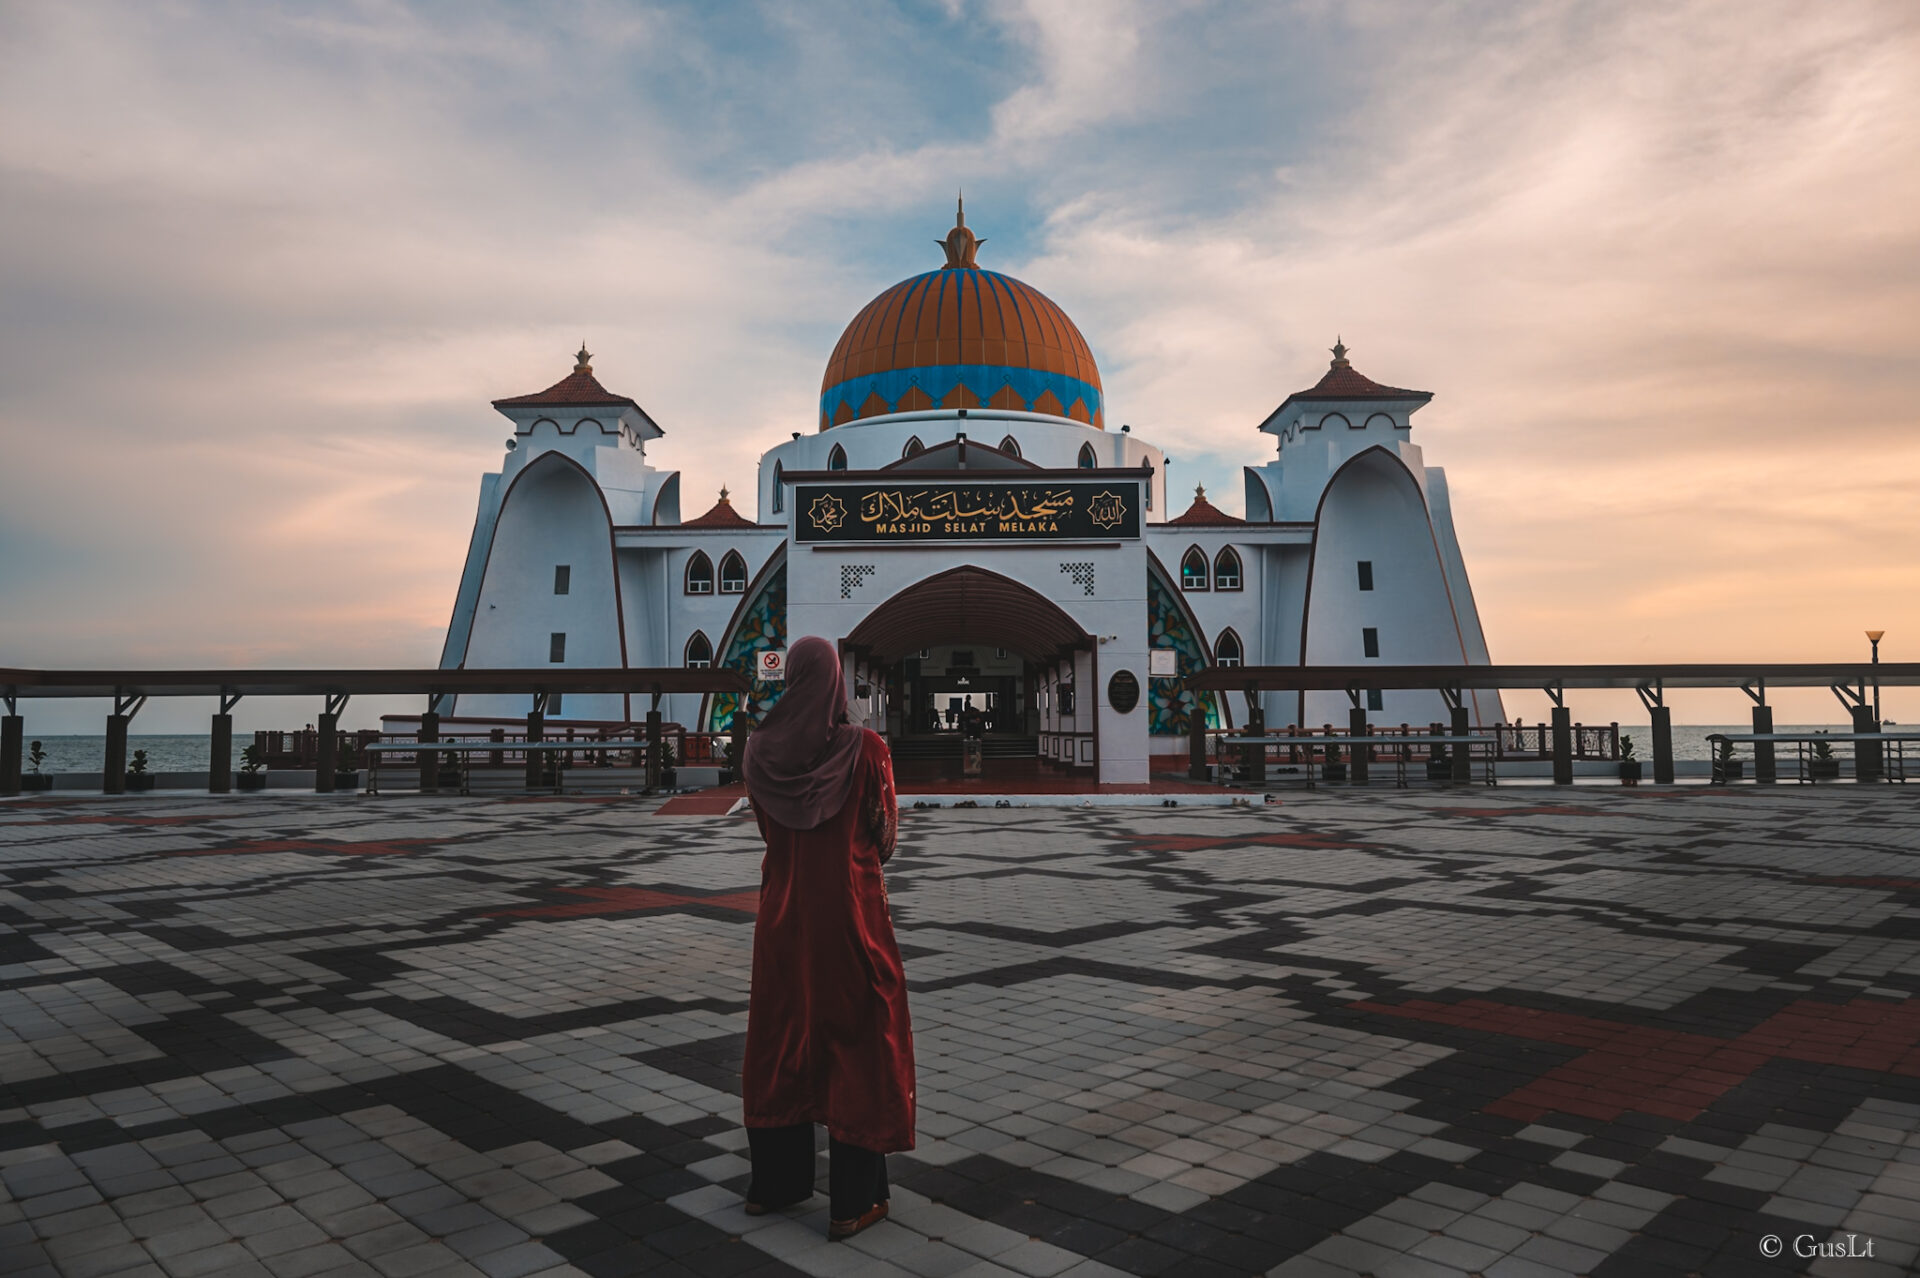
(1420, 1034)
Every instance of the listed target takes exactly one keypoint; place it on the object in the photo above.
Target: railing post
(113, 774)
(536, 762)
(1662, 734)
(220, 756)
(328, 747)
(1357, 762)
(1256, 754)
(1866, 754)
(1562, 746)
(1462, 756)
(429, 759)
(11, 730)
(1764, 769)
(653, 749)
(1197, 741)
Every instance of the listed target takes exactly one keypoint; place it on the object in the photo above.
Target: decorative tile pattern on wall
(1082, 575)
(1169, 700)
(854, 576)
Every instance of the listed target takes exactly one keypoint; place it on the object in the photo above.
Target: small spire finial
(960, 244)
(1339, 353)
(1199, 492)
(723, 495)
(583, 361)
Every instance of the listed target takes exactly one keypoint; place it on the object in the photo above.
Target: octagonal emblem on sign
(1107, 509)
(828, 512)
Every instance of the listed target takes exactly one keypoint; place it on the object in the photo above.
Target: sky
(265, 266)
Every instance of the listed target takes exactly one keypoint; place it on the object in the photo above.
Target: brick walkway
(1429, 1033)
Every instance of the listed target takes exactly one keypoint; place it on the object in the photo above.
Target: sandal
(838, 1230)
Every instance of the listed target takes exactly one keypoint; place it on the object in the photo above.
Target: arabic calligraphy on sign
(964, 511)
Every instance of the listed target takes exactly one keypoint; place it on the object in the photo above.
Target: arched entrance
(966, 639)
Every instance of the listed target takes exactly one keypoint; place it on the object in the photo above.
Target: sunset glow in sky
(265, 266)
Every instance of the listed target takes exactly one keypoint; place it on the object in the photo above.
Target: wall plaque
(895, 512)
(1123, 691)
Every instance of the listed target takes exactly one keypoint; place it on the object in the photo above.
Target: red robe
(828, 1035)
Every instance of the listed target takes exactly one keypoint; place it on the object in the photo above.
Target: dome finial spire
(583, 361)
(961, 244)
(724, 501)
(1339, 353)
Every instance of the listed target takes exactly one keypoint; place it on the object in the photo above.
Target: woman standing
(828, 1036)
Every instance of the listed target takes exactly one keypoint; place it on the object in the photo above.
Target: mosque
(968, 523)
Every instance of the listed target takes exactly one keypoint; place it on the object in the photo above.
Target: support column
(113, 769)
(1256, 755)
(1764, 770)
(1462, 758)
(1562, 746)
(1197, 742)
(220, 756)
(653, 749)
(326, 748)
(1662, 734)
(11, 729)
(1866, 754)
(1358, 755)
(429, 759)
(536, 762)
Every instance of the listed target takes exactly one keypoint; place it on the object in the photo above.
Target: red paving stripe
(627, 900)
(375, 847)
(1671, 1074)
(1200, 843)
(714, 802)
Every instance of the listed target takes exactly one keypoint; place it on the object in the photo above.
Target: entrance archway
(966, 639)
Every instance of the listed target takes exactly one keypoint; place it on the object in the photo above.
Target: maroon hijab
(800, 763)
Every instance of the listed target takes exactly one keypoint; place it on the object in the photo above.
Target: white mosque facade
(964, 522)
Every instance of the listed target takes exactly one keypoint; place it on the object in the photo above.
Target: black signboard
(885, 512)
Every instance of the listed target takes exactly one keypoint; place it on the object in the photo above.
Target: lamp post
(1873, 637)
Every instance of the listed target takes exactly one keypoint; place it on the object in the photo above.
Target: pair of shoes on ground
(836, 1229)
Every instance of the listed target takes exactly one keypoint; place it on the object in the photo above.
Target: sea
(188, 753)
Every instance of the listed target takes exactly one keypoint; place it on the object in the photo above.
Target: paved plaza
(1510, 1033)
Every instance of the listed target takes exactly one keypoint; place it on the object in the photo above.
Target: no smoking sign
(772, 665)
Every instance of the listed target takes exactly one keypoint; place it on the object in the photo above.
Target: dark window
(699, 651)
(553, 703)
(1366, 574)
(1227, 651)
(779, 488)
(1086, 457)
(562, 579)
(1010, 446)
(1193, 570)
(1373, 699)
(1226, 570)
(837, 459)
(733, 573)
(1370, 641)
(556, 647)
(914, 448)
(699, 574)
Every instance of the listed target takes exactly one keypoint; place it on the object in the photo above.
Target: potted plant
(728, 773)
(36, 779)
(1629, 766)
(669, 776)
(252, 769)
(1335, 768)
(1439, 763)
(1824, 765)
(1726, 768)
(138, 778)
(345, 775)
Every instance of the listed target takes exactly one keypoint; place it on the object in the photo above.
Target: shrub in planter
(36, 779)
(345, 775)
(732, 770)
(1440, 764)
(1629, 766)
(138, 778)
(252, 764)
(669, 773)
(1725, 767)
(1823, 766)
(1335, 768)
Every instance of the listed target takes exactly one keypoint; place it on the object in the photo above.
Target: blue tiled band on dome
(938, 381)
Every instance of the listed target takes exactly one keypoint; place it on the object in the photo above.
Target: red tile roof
(578, 389)
(723, 515)
(1343, 381)
(1204, 513)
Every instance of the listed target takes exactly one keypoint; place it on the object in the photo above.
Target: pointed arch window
(699, 574)
(1193, 569)
(1087, 463)
(1226, 570)
(779, 488)
(914, 448)
(1227, 650)
(837, 459)
(699, 651)
(733, 573)
(1010, 446)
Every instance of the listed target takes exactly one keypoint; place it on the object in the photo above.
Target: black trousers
(783, 1171)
